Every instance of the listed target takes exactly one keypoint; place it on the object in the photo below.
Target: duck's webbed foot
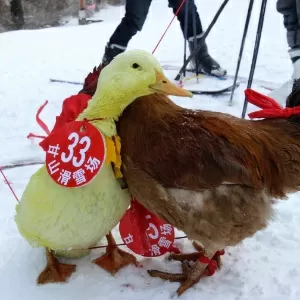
(55, 271)
(114, 259)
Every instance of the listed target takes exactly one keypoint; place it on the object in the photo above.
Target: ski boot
(205, 63)
(111, 50)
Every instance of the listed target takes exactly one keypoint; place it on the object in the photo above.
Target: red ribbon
(270, 108)
(211, 265)
(220, 253)
(40, 122)
(72, 107)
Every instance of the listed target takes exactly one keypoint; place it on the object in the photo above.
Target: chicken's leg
(191, 274)
(188, 256)
(195, 255)
(114, 259)
(55, 271)
(216, 257)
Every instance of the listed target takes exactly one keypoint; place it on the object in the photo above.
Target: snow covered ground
(264, 267)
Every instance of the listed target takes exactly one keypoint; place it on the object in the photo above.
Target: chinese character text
(53, 150)
(79, 176)
(163, 242)
(64, 177)
(128, 239)
(92, 164)
(166, 229)
(155, 250)
(155, 233)
(53, 167)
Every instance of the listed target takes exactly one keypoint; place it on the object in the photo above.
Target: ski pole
(195, 51)
(255, 51)
(21, 164)
(195, 39)
(186, 16)
(65, 81)
(241, 48)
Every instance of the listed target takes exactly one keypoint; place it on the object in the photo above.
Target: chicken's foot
(191, 274)
(195, 255)
(216, 257)
(114, 259)
(55, 271)
(177, 277)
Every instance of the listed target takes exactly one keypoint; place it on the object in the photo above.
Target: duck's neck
(104, 109)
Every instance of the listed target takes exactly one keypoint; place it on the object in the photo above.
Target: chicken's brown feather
(196, 150)
(200, 149)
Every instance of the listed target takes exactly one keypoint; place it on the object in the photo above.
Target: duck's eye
(136, 66)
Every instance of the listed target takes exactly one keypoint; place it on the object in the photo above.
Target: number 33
(84, 140)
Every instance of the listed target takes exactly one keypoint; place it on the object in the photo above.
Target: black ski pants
(290, 9)
(136, 12)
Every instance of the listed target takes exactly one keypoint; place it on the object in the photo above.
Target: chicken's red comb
(90, 82)
(92, 76)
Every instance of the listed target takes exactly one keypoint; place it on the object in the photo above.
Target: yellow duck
(67, 221)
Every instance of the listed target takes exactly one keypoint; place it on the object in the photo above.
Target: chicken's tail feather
(91, 81)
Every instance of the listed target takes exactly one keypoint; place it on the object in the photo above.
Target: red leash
(9, 184)
(175, 15)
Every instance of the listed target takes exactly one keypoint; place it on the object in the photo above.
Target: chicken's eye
(136, 66)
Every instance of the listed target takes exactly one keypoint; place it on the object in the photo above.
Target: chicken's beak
(164, 86)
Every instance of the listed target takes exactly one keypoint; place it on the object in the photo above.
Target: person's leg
(17, 13)
(205, 62)
(174, 4)
(135, 15)
(290, 9)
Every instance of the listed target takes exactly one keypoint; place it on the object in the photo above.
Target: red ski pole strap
(270, 108)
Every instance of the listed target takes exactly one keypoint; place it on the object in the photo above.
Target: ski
(195, 92)
(88, 21)
(190, 70)
(215, 92)
(263, 83)
(20, 164)
(65, 81)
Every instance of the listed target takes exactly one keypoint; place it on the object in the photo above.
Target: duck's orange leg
(114, 259)
(55, 271)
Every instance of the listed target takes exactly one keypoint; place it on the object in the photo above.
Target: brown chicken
(211, 175)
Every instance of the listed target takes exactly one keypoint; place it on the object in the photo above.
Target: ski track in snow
(264, 267)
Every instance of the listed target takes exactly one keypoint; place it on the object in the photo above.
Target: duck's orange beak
(164, 86)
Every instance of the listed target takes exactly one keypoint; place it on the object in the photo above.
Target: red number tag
(75, 153)
(144, 233)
